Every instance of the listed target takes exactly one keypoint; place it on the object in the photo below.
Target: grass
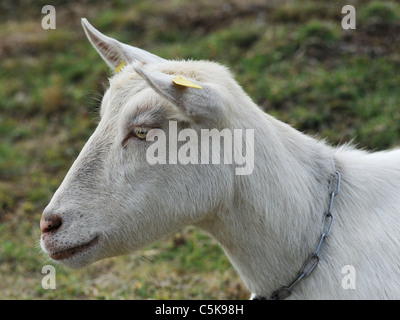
(293, 58)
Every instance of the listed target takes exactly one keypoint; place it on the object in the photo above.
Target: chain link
(313, 259)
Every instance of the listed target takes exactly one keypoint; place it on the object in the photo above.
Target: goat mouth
(67, 253)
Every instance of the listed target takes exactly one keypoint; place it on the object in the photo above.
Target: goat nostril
(50, 223)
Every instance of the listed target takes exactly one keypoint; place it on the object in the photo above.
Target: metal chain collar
(313, 259)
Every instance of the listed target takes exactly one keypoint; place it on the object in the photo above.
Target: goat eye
(140, 132)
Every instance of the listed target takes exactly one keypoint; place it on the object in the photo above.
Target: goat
(268, 221)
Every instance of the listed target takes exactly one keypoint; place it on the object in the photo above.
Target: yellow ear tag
(120, 66)
(181, 81)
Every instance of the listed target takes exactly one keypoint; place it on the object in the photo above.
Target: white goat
(113, 201)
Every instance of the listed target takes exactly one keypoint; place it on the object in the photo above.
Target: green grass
(377, 12)
(292, 58)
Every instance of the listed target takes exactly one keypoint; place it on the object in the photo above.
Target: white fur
(267, 222)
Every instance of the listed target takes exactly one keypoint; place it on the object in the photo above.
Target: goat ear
(196, 100)
(114, 52)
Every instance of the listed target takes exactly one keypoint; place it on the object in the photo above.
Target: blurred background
(292, 57)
